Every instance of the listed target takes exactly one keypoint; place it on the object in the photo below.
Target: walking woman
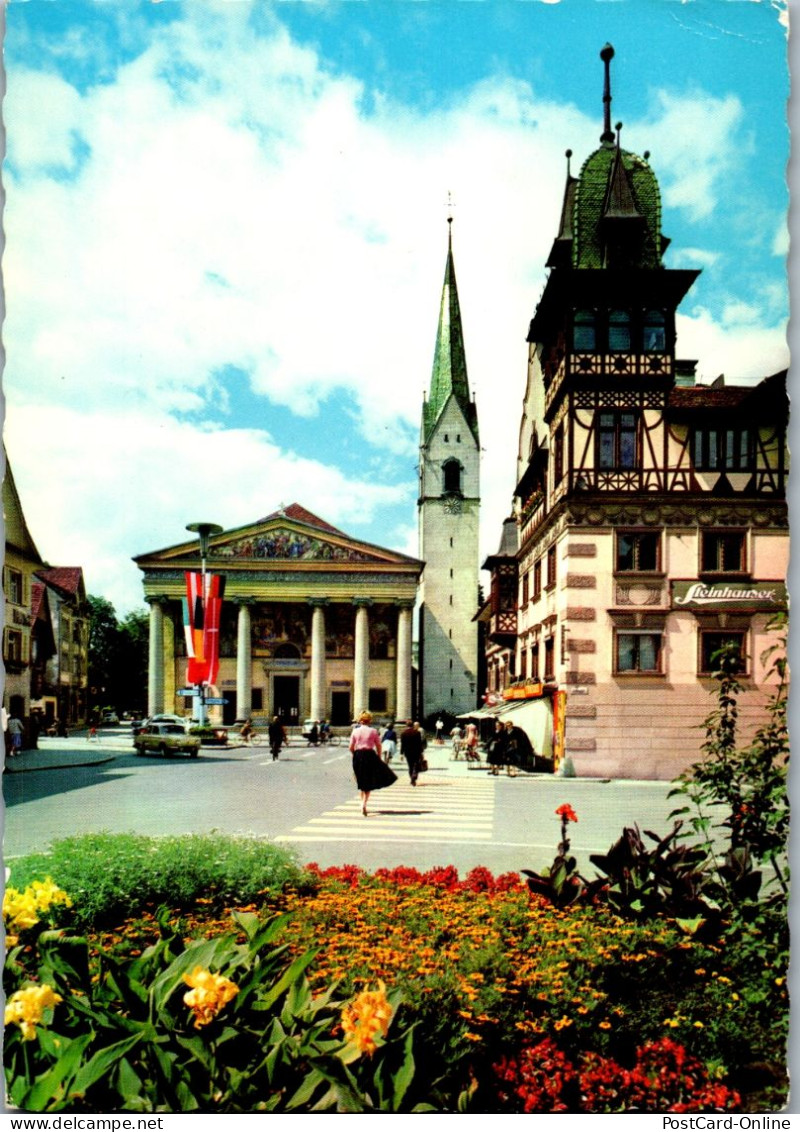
(497, 748)
(370, 770)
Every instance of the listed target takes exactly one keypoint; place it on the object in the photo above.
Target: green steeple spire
(449, 359)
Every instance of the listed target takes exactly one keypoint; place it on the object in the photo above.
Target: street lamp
(204, 531)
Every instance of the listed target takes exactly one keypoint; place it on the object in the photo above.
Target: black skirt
(371, 771)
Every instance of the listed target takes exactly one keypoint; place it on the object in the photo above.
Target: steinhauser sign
(724, 595)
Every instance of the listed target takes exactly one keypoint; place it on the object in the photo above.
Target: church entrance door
(340, 709)
(286, 698)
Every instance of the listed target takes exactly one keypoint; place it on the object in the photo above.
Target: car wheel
(137, 749)
(162, 750)
(193, 754)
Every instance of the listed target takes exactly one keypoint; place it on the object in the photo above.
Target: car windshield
(171, 729)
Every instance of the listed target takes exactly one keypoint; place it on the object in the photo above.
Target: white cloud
(696, 141)
(744, 352)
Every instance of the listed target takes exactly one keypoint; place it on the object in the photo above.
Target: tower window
(655, 334)
(558, 454)
(584, 331)
(452, 476)
(619, 331)
(616, 441)
(723, 552)
(638, 550)
(638, 652)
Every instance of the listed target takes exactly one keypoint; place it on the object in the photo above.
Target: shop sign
(523, 692)
(724, 595)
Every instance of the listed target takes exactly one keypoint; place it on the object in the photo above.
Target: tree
(117, 656)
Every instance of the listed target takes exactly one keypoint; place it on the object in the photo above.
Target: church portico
(314, 623)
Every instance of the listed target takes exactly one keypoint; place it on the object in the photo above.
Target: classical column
(155, 663)
(361, 667)
(318, 684)
(244, 659)
(403, 654)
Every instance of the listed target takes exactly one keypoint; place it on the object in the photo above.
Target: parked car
(166, 739)
(108, 717)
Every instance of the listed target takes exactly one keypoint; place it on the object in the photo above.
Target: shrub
(113, 876)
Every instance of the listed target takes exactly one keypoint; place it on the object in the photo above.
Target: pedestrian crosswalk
(436, 809)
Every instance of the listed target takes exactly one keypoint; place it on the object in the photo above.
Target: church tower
(448, 505)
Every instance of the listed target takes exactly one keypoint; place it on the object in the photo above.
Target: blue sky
(226, 236)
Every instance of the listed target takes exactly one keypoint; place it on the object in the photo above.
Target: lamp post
(204, 531)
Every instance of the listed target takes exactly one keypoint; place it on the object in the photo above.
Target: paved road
(307, 800)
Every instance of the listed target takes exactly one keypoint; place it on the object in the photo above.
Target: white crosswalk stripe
(437, 809)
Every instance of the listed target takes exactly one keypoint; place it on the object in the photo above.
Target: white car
(163, 717)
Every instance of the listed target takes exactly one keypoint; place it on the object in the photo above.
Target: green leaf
(48, 1092)
(102, 1063)
(405, 1073)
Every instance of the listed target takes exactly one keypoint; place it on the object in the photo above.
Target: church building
(650, 510)
(314, 624)
(448, 508)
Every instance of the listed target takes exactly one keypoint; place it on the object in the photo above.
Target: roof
(615, 184)
(767, 398)
(37, 599)
(301, 515)
(68, 579)
(449, 377)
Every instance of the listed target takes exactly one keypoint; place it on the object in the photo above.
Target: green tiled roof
(450, 359)
(600, 198)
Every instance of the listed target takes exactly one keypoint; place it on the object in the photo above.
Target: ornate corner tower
(448, 505)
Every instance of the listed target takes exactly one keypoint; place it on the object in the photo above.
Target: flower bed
(398, 991)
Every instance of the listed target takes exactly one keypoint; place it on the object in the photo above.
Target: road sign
(186, 692)
(215, 700)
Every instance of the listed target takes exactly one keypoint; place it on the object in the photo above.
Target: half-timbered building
(651, 510)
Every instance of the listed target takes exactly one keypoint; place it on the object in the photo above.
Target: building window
(638, 551)
(584, 331)
(619, 332)
(13, 649)
(14, 587)
(523, 663)
(551, 567)
(655, 332)
(549, 658)
(638, 652)
(722, 449)
(537, 579)
(723, 552)
(713, 642)
(535, 661)
(257, 699)
(452, 476)
(616, 441)
(377, 699)
(525, 586)
(558, 454)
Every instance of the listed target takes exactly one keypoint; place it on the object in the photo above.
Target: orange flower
(366, 1018)
(566, 812)
(208, 995)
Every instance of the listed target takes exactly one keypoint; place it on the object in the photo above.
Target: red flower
(566, 812)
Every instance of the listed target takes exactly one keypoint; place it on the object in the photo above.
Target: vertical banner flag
(202, 609)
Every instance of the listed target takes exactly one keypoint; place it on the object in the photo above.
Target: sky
(226, 233)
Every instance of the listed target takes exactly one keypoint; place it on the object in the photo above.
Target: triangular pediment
(291, 535)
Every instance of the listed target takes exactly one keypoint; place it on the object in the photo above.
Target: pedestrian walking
(370, 770)
(496, 756)
(313, 735)
(15, 730)
(277, 736)
(412, 745)
(389, 743)
(471, 743)
(439, 731)
(519, 749)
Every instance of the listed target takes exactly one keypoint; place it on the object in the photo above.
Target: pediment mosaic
(289, 545)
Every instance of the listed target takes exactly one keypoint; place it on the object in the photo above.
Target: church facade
(315, 624)
(650, 510)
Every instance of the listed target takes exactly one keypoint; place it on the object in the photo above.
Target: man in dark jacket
(411, 745)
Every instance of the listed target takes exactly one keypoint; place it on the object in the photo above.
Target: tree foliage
(117, 656)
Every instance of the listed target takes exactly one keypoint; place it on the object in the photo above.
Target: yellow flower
(604, 1025)
(208, 995)
(26, 1006)
(21, 909)
(366, 1017)
(562, 1023)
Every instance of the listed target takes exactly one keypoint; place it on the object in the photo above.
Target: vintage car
(166, 739)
